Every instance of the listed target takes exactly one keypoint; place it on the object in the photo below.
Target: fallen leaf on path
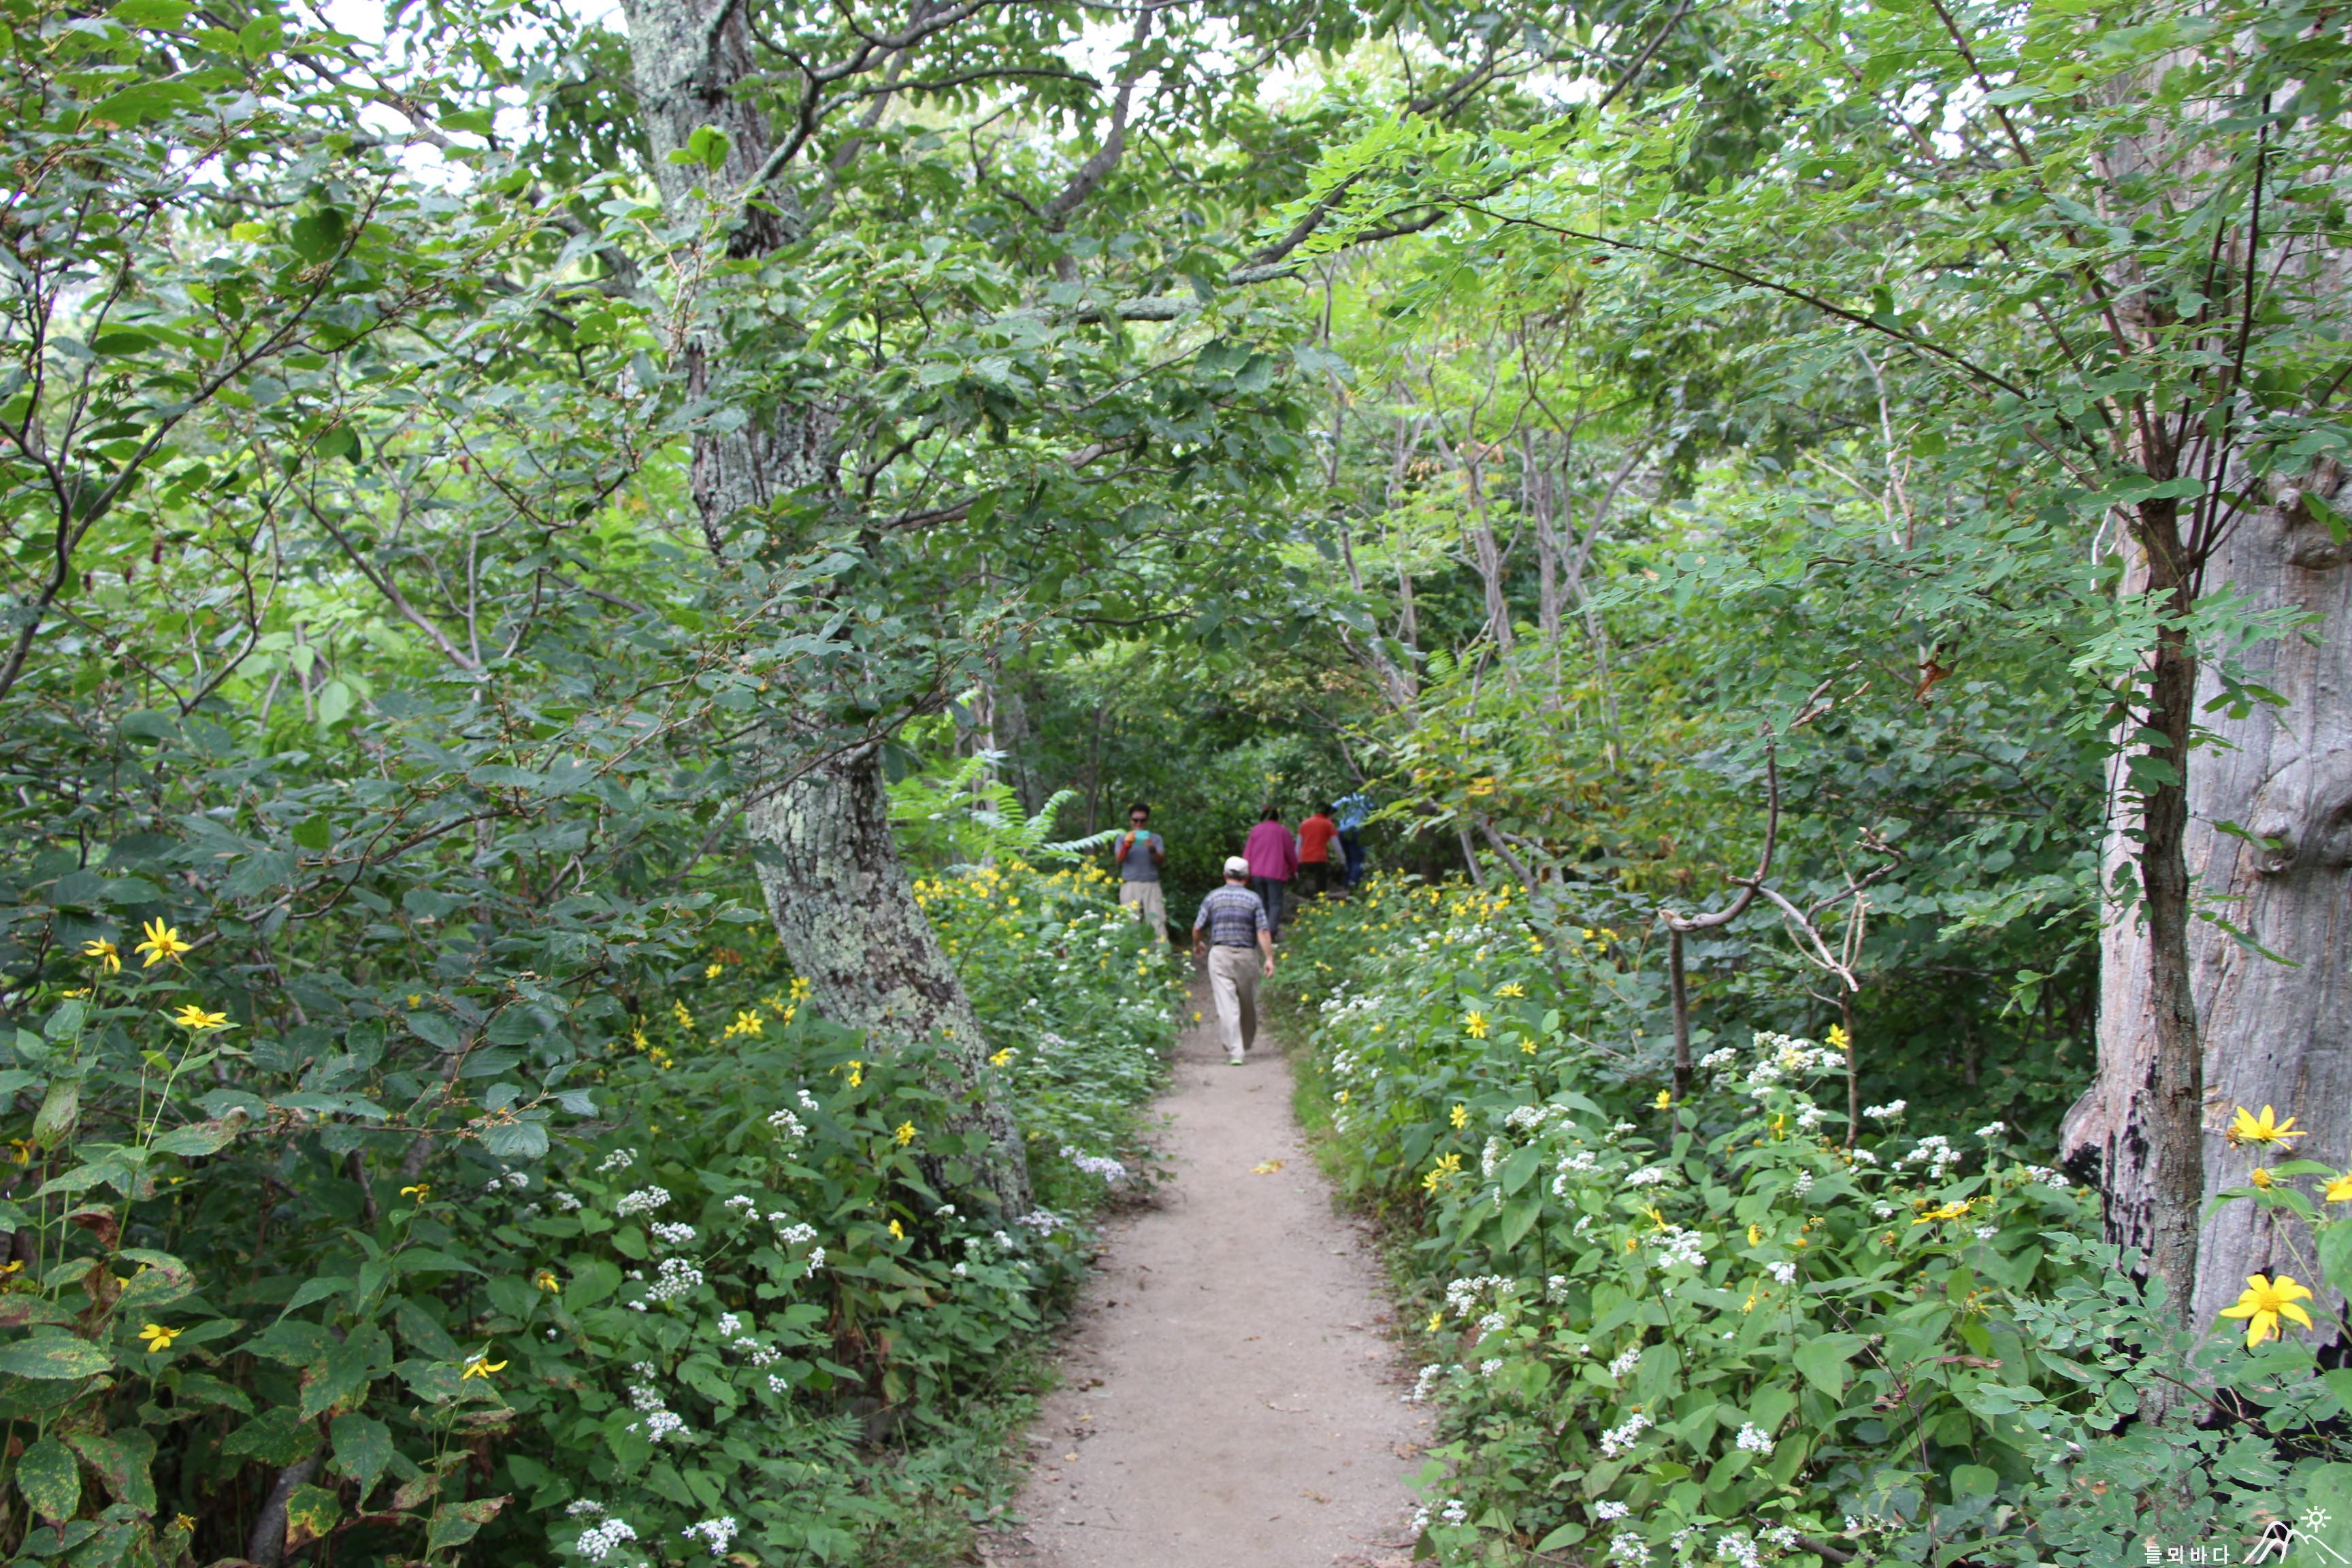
(1267, 1169)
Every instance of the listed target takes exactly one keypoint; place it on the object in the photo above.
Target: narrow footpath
(1231, 1392)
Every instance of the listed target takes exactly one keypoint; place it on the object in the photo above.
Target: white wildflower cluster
(1535, 1119)
(1556, 1288)
(743, 1204)
(815, 1262)
(1619, 1440)
(677, 1278)
(672, 1233)
(1629, 1548)
(1102, 1166)
(717, 1532)
(790, 1233)
(785, 1122)
(565, 1203)
(1492, 1324)
(659, 1421)
(2046, 1176)
(1490, 1158)
(599, 1541)
(1455, 1512)
(580, 1508)
(1426, 1383)
(1675, 1246)
(1463, 1296)
(1650, 1176)
(1785, 1057)
(1862, 1156)
(1753, 1438)
(644, 1200)
(1625, 1361)
(1780, 1538)
(1991, 1129)
(505, 1179)
(1580, 1163)
(618, 1160)
(1810, 1117)
(1883, 1209)
(1783, 1273)
(808, 1101)
(1719, 1058)
(1804, 1184)
(1611, 1511)
(1619, 1129)
(1935, 1151)
(1987, 1232)
(1045, 1222)
(1490, 1366)
(1886, 1113)
(1738, 1548)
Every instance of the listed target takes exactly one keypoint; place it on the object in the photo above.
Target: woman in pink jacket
(1273, 857)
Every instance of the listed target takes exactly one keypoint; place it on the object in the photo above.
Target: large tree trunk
(2276, 1033)
(843, 905)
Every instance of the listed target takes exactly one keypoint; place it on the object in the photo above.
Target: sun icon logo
(2315, 1518)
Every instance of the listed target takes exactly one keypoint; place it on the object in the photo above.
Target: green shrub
(710, 1291)
(1725, 1330)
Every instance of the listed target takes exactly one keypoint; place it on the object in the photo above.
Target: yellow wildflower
(1755, 1236)
(193, 1018)
(103, 951)
(856, 1074)
(713, 971)
(685, 1020)
(2339, 1189)
(748, 1022)
(2261, 1176)
(1527, 1048)
(1948, 1211)
(1475, 1024)
(1446, 1167)
(1512, 989)
(158, 1338)
(1436, 1322)
(1460, 1117)
(185, 1524)
(1839, 1039)
(897, 1231)
(1665, 1100)
(480, 1364)
(1001, 1058)
(546, 1281)
(163, 942)
(800, 988)
(2248, 1128)
(420, 1192)
(2263, 1303)
(905, 1134)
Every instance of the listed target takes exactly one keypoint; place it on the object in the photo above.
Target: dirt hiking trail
(1231, 1392)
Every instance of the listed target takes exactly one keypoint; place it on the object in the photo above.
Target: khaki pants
(1232, 981)
(1148, 903)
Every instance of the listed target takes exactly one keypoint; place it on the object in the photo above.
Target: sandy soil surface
(1230, 1394)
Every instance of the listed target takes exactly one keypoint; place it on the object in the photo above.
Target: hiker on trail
(1141, 853)
(1272, 858)
(1349, 815)
(1231, 922)
(1315, 836)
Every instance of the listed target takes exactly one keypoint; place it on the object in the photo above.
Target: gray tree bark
(842, 902)
(2275, 1033)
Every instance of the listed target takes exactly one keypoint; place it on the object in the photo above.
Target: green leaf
(60, 1110)
(124, 1460)
(147, 100)
(50, 1479)
(1975, 1480)
(53, 1356)
(279, 1437)
(590, 1284)
(311, 1513)
(343, 1376)
(165, 15)
(198, 1139)
(1822, 1360)
(364, 1450)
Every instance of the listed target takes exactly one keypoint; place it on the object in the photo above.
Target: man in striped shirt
(1231, 923)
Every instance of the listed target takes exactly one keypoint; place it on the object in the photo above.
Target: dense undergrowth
(716, 1294)
(1733, 1329)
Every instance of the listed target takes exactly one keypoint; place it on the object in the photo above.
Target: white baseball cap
(1236, 866)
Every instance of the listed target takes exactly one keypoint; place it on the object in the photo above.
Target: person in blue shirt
(1141, 853)
(1348, 815)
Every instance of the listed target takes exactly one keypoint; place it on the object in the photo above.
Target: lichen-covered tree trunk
(841, 899)
(2274, 1033)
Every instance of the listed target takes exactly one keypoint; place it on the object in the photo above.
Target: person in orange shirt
(1315, 836)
